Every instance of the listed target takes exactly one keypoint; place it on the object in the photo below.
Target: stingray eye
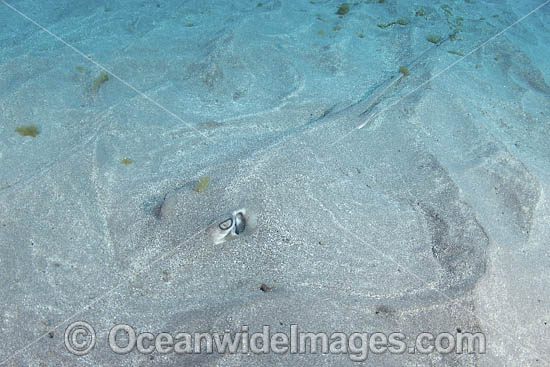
(226, 224)
(240, 223)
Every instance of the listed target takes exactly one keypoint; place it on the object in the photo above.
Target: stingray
(344, 230)
(355, 230)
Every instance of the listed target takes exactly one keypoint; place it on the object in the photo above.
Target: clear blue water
(204, 165)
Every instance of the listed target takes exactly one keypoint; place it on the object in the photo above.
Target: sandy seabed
(393, 155)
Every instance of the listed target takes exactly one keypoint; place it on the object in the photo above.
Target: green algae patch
(102, 78)
(403, 70)
(433, 39)
(454, 52)
(27, 130)
(455, 22)
(400, 21)
(343, 9)
(203, 183)
(80, 69)
(126, 161)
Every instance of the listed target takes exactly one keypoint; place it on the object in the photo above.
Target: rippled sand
(385, 201)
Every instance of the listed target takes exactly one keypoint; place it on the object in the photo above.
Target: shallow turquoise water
(394, 155)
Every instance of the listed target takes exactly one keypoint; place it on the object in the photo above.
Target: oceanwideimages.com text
(123, 339)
